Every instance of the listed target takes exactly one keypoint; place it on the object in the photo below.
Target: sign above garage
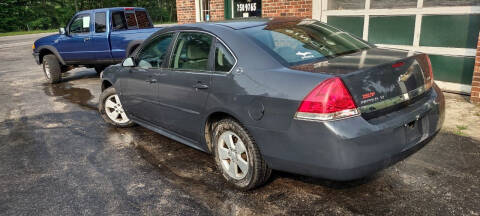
(248, 8)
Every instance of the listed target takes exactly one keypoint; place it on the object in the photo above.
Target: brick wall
(475, 95)
(289, 8)
(217, 10)
(186, 11)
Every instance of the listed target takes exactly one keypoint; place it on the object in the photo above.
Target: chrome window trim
(205, 32)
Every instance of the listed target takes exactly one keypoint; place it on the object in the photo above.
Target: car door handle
(86, 39)
(200, 86)
(151, 81)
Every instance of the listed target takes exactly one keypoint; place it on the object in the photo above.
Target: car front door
(76, 45)
(141, 84)
(184, 91)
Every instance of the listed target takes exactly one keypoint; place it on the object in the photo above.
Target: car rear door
(141, 86)
(185, 89)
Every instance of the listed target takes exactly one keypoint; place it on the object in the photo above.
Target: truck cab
(94, 39)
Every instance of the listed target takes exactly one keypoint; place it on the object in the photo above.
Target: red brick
(475, 100)
(475, 88)
(476, 83)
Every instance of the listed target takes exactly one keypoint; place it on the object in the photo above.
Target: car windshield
(299, 42)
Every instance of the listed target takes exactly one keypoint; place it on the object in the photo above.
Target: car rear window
(300, 42)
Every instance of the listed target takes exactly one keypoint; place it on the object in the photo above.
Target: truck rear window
(142, 19)
(130, 20)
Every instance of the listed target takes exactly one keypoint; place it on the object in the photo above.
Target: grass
(460, 129)
(26, 32)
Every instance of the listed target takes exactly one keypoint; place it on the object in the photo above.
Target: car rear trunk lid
(379, 78)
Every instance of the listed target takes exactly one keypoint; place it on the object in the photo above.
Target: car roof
(112, 8)
(237, 24)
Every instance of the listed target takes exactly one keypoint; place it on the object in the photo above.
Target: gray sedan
(284, 94)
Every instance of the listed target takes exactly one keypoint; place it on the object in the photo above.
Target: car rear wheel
(112, 110)
(237, 156)
(52, 69)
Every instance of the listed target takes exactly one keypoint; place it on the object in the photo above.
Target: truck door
(100, 46)
(75, 47)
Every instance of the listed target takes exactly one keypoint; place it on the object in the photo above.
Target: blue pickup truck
(94, 39)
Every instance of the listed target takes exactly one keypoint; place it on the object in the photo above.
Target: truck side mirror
(128, 62)
(61, 31)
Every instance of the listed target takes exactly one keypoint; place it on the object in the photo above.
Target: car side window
(100, 22)
(191, 51)
(80, 24)
(118, 20)
(224, 59)
(154, 53)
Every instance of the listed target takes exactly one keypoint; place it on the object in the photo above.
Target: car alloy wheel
(114, 110)
(233, 155)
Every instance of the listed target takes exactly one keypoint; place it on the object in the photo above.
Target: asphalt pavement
(58, 157)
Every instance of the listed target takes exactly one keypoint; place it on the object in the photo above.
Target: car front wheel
(237, 156)
(112, 110)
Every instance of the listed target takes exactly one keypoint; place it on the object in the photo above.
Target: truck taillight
(330, 100)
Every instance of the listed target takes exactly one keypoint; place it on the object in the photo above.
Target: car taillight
(330, 100)
(428, 74)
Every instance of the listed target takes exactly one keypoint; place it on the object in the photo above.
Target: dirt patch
(462, 117)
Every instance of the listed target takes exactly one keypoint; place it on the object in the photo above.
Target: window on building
(100, 22)
(345, 4)
(205, 10)
(191, 51)
(385, 4)
(444, 3)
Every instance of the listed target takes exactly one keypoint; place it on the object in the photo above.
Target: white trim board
(406, 11)
(454, 87)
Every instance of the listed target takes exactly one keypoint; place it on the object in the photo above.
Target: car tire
(111, 109)
(255, 171)
(52, 69)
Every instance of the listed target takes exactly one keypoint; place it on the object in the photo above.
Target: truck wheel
(111, 109)
(99, 68)
(237, 156)
(52, 69)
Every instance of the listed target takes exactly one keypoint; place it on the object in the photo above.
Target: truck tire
(52, 69)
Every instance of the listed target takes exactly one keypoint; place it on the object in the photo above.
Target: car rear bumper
(36, 56)
(353, 148)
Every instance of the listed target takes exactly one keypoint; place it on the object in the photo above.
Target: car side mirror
(128, 62)
(61, 31)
